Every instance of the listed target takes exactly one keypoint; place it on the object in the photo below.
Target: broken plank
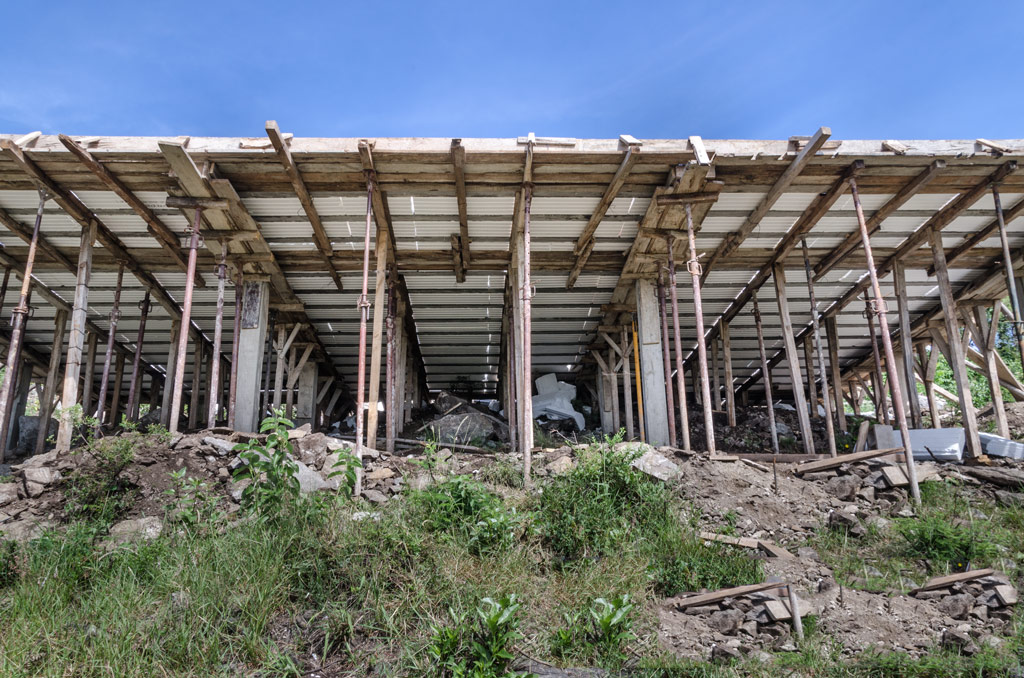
(944, 581)
(835, 462)
(774, 550)
(722, 594)
(745, 542)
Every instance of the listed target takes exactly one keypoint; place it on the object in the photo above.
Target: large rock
(958, 606)
(465, 428)
(38, 478)
(726, 622)
(8, 493)
(844, 487)
(447, 403)
(136, 529)
(656, 465)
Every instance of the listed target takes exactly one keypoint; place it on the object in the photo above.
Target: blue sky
(583, 69)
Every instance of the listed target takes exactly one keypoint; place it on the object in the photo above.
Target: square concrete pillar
(252, 339)
(305, 401)
(652, 365)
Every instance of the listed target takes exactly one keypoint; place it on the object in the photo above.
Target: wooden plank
(459, 164)
(949, 579)
(792, 358)
(730, 394)
(722, 594)
(836, 462)
(745, 542)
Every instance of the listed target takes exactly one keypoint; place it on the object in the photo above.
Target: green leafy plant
(346, 468)
(97, 489)
(939, 541)
(269, 467)
(484, 651)
(463, 508)
(191, 503)
(606, 636)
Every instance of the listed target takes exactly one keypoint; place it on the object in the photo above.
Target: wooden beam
(585, 243)
(458, 154)
(381, 213)
(323, 243)
(852, 241)
(985, 232)
(732, 241)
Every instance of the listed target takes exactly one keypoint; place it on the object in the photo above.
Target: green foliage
(97, 489)
(346, 468)
(9, 567)
(503, 472)
(191, 503)
(939, 541)
(680, 561)
(463, 508)
(602, 637)
(269, 466)
(480, 651)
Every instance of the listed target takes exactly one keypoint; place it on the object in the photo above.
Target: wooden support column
(815, 336)
(115, 398)
(670, 400)
(89, 380)
(50, 389)
(693, 264)
(792, 357)
(76, 340)
(716, 382)
(958, 362)
(389, 381)
(213, 404)
(135, 389)
(197, 386)
(899, 281)
(985, 332)
(115, 316)
(627, 386)
(766, 376)
(812, 386)
(172, 360)
(929, 360)
(730, 394)
(377, 339)
(832, 336)
(878, 382)
(284, 343)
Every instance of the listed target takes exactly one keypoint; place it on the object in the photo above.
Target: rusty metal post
(766, 376)
(135, 389)
(389, 379)
(698, 312)
(186, 322)
(20, 314)
(1011, 284)
(364, 310)
(670, 399)
(881, 407)
(527, 291)
(822, 367)
(684, 418)
(233, 380)
(115, 315)
(890, 356)
(218, 330)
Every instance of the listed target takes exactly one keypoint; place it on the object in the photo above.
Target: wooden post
(985, 332)
(172, 359)
(89, 380)
(115, 398)
(792, 358)
(929, 360)
(890, 358)
(389, 381)
(899, 282)
(377, 339)
(76, 339)
(233, 379)
(135, 390)
(115, 316)
(1011, 282)
(812, 390)
(958, 363)
(197, 385)
(526, 292)
(730, 394)
(213, 406)
(670, 400)
(698, 315)
(766, 376)
(830, 430)
(684, 417)
(716, 381)
(832, 335)
(50, 389)
(279, 369)
(878, 383)
(627, 387)
(613, 383)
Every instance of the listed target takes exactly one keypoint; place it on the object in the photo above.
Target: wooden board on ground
(944, 581)
(722, 594)
(768, 457)
(773, 550)
(895, 477)
(835, 462)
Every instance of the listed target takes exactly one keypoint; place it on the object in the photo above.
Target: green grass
(314, 590)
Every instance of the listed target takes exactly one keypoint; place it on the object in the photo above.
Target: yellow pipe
(639, 387)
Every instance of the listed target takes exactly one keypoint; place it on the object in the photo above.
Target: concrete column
(305, 403)
(652, 367)
(251, 343)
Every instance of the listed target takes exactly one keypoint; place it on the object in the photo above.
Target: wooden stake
(899, 282)
(50, 389)
(830, 431)
(792, 359)
(832, 336)
(766, 377)
(730, 394)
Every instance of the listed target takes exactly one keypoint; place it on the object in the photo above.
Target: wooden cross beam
(459, 164)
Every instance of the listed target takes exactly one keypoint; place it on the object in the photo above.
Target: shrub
(934, 538)
(483, 651)
(604, 638)
(463, 508)
(97, 489)
(269, 466)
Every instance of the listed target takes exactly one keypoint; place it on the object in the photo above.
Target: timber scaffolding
(333, 271)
